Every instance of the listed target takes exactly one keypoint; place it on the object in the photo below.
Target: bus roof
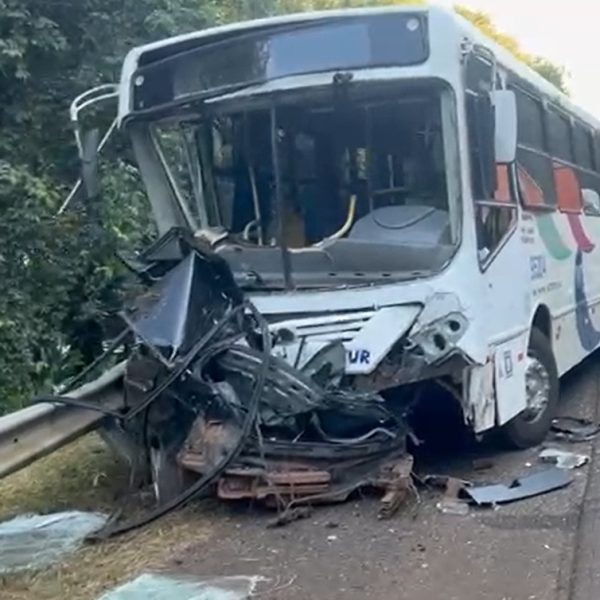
(157, 50)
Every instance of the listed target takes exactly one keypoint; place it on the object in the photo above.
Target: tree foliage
(555, 74)
(58, 276)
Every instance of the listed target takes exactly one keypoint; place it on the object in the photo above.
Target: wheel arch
(542, 321)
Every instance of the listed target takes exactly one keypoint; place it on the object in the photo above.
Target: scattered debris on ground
(163, 587)
(564, 459)
(525, 487)
(449, 506)
(33, 542)
(574, 429)
(454, 500)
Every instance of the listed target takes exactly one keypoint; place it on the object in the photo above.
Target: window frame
(566, 119)
(587, 172)
(520, 92)
(513, 206)
(580, 128)
(476, 164)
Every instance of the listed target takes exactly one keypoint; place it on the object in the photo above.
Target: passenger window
(503, 192)
(536, 179)
(590, 193)
(597, 151)
(530, 121)
(582, 138)
(559, 136)
(498, 218)
(568, 190)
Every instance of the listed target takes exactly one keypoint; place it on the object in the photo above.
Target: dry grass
(85, 476)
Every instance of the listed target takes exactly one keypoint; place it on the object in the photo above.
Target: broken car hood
(187, 301)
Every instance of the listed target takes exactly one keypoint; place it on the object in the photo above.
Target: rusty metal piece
(207, 442)
(311, 472)
(237, 484)
(396, 479)
(293, 475)
(278, 482)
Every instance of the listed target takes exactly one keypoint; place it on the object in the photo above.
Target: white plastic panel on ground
(165, 587)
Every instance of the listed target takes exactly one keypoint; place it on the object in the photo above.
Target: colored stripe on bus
(552, 238)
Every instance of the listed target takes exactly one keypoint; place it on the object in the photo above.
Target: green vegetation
(59, 278)
(555, 74)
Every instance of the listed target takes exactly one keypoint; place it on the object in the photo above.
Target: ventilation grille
(326, 327)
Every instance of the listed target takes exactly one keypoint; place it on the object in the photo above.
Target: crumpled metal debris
(397, 482)
(454, 501)
(449, 506)
(163, 587)
(574, 429)
(525, 487)
(311, 440)
(564, 459)
(31, 542)
(207, 397)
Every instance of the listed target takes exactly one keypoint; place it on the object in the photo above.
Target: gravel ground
(522, 551)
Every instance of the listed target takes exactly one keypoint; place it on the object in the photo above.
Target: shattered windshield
(368, 169)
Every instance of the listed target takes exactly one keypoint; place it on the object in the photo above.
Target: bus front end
(306, 179)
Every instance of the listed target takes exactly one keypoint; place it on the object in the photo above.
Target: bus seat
(407, 225)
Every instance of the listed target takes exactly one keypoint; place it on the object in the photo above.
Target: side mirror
(505, 106)
(89, 162)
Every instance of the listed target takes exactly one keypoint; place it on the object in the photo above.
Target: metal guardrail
(36, 431)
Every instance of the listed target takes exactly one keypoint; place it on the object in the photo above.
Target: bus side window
(493, 195)
(496, 218)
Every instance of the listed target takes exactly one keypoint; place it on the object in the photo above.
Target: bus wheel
(541, 382)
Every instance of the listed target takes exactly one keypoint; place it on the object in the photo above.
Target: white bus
(388, 182)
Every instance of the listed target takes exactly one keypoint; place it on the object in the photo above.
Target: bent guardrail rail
(36, 431)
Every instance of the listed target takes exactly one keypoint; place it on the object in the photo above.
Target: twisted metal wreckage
(205, 395)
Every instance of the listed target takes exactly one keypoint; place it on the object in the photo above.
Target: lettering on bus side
(538, 267)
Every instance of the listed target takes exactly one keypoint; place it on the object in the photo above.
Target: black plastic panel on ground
(257, 57)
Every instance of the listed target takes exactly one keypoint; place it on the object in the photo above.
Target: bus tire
(531, 427)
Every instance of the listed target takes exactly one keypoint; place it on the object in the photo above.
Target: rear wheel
(541, 381)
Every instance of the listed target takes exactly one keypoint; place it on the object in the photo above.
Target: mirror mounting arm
(87, 180)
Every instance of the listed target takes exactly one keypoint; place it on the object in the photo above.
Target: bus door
(502, 262)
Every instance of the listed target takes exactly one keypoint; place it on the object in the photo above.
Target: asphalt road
(543, 548)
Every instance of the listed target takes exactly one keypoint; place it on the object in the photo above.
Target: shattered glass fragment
(31, 542)
(163, 587)
(564, 459)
